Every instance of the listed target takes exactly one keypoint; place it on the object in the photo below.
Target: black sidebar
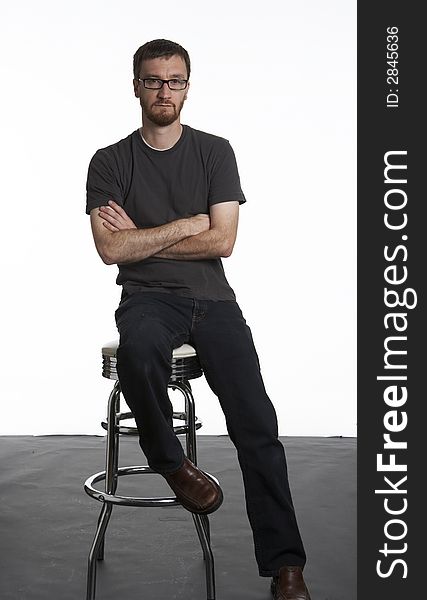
(392, 257)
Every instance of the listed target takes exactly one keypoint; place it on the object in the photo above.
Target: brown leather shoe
(289, 585)
(197, 491)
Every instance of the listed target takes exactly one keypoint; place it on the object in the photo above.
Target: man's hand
(115, 218)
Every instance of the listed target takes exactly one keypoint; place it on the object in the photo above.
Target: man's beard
(162, 116)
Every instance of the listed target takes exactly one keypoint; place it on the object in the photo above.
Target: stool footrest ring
(158, 501)
(125, 430)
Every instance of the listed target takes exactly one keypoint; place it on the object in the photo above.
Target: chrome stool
(185, 366)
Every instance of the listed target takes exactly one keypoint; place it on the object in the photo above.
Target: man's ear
(136, 88)
(186, 91)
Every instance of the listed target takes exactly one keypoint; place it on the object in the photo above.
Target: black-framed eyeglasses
(156, 84)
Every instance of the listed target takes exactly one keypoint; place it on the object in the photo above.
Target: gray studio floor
(48, 522)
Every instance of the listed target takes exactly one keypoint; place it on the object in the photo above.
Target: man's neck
(161, 138)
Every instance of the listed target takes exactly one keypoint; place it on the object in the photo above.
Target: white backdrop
(277, 79)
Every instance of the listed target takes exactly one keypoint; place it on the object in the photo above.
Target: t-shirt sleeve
(102, 182)
(225, 181)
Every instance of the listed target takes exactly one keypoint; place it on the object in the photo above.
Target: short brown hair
(156, 49)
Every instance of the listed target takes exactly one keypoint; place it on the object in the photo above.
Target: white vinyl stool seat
(185, 364)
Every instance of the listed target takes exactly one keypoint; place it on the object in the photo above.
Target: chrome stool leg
(206, 525)
(207, 555)
(201, 522)
(112, 457)
(104, 518)
(100, 555)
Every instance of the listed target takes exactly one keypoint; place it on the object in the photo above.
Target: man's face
(162, 107)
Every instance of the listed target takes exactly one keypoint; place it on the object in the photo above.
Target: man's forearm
(133, 245)
(206, 245)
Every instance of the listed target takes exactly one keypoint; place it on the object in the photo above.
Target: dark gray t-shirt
(158, 186)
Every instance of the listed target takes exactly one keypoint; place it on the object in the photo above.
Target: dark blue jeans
(150, 326)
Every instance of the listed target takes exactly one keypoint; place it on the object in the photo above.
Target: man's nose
(164, 91)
